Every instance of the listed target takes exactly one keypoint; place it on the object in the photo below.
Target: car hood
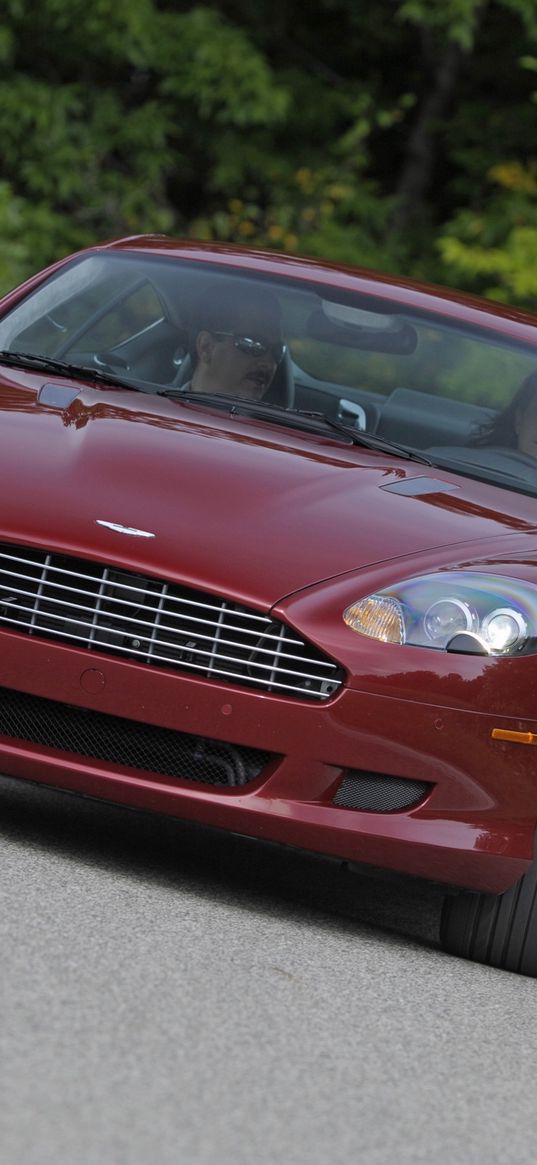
(233, 505)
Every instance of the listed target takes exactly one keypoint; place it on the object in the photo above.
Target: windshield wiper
(368, 440)
(314, 422)
(75, 371)
(487, 473)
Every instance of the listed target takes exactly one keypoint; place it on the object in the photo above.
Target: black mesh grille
(115, 611)
(84, 733)
(376, 793)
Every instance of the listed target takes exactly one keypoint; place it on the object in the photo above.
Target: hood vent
(57, 396)
(414, 487)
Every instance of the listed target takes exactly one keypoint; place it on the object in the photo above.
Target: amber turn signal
(515, 737)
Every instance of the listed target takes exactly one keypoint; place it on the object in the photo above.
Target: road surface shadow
(255, 875)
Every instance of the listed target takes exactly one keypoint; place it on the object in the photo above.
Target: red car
(268, 562)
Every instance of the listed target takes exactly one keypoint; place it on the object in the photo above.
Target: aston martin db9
(268, 561)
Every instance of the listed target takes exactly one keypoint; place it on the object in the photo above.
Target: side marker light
(515, 737)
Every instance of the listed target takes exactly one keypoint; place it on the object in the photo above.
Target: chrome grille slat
(218, 628)
(107, 609)
(277, 654)
(128, 619)
(100, 595)
(41, 585)
(174, 614)
(219, 672)
(251, 615)
(272, 667)
(171, 614)
(153, 640)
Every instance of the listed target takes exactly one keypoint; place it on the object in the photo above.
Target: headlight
(446, 618)
(455, 611)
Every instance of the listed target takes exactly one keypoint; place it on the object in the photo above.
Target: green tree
(396, 134)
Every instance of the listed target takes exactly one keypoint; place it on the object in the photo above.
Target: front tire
(500, 930)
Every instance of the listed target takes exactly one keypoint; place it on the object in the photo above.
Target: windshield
(466, 398)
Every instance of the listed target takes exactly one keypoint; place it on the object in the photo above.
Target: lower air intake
(376, 793)
(98, 736)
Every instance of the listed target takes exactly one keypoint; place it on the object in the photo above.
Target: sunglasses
(253, 346)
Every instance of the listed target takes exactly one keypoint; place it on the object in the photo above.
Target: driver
(515, 427)
(236, 341)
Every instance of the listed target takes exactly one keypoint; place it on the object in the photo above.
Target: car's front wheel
(500, 930)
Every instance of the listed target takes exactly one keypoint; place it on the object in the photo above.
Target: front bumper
(475, 828)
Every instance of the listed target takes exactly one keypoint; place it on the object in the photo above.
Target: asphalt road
(169, 994)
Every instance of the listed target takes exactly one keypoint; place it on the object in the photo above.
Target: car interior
(419, 381)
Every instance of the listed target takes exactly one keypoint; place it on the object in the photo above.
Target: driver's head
(236, 340)
(525, 416)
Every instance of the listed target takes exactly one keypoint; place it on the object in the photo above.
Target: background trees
(400, 134)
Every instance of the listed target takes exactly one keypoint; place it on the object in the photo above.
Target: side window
(49, 333)
(126, 318)
(447, 363)
(104, 315)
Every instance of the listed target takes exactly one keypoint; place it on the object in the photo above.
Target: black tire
(500, 930)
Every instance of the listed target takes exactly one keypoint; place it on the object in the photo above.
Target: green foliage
(496, 251)
(397, 135)
(216, 68)
(12, 249)
(454, 19)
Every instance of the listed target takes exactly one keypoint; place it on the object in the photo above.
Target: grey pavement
(172, 994)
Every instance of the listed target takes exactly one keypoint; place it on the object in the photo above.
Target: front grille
(118, 612)
(80, 732)
(378, 793)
